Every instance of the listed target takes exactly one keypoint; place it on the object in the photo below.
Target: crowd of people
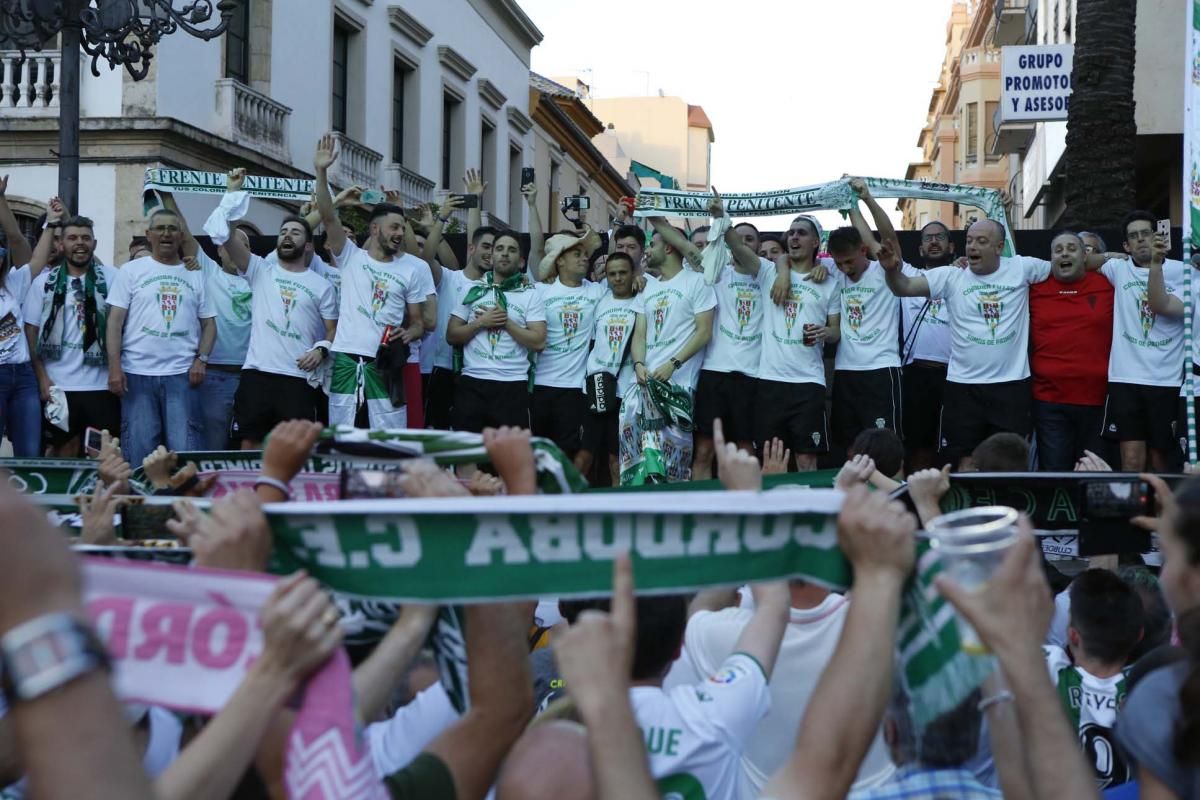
(778, 690)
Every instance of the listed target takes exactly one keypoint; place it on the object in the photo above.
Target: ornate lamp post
(121, 32)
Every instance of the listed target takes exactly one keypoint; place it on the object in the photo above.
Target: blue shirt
(912, 781)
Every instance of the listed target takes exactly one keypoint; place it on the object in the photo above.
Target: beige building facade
(663, 133)
(957, 139)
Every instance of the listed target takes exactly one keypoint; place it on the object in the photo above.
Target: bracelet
(442, 219)
(1004, 696)
(274, 483)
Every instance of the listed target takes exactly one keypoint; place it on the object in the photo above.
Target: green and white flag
(191, 181)
(835, 195)
(448, 551)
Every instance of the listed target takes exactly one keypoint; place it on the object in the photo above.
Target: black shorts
(923, 388)
(100, 409)
(480, 404)
(794, 413)
(971, 412)
(439, 398)
(729, 397)
(1135, 413)
(264, 399)
(602, 432)
(865, 399)
(557, 414)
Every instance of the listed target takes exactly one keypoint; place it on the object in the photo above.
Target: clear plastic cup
(972, 543)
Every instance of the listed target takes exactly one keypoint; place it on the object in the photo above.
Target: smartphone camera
(576, 202)
(1118, 499)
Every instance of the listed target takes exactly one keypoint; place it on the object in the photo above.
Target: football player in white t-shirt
(1145, 365)
(497, 325)
(383, 288)
(294, 319)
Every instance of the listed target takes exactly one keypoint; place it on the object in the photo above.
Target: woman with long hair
(1160, 723)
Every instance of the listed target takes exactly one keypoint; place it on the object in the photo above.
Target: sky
(798, 91)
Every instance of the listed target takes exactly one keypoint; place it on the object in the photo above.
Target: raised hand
(326, 153)
(97, 511)
(776, 457)
(451, 202)
(233, 535)
(715, 207)
(474, 182)
(860, 188)
(423, 478)
(350, 196)
(235, 179)
(737, 469)
(288, 447)
(529, 191)
(56, 210)
(511, 454)
(3, 185)
(595, 655)
(482, 484)
(855, 472)
(1090, 462)
(300, 628)
(876, 534)
(159, 466)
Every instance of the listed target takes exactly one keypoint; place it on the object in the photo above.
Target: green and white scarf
(95, 314)
(836, 195)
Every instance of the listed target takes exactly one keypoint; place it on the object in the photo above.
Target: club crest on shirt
(168, 302)
(991, 307)
(791, 310)
(1147, 314)
(816, 438)
(616, 333)
(569, 316)
(288, 296)
(379, 293)
(660, 314)
(854, 312)
(745, 308)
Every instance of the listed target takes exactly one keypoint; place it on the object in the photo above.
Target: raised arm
(901, 285)
(537, 239)
(864, 230)
(1161, 301)
(335, 234)
(745, 260)
(877, 537)
(434, 240)
(56, 212)
(19, 250)
(883, 223)
(376, 678)
(238, 251)
(476, 185)
(672, 236)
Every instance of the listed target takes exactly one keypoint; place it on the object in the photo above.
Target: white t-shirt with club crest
(870, 321)
(69, 372)
(784, 355)
(493, 354)
(694, 734)
(230, 297)
(570, 318)
(375, 294)
(610, 352)
(164, 305)
(1147, 348)
(670, 308)
(989, 318)
(290, 309)
(737, 325)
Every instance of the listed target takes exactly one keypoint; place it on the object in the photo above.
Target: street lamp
(122, 32)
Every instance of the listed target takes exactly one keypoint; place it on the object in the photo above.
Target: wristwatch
(324, 350)
(676, 363)
(202, 358)
(47, 652)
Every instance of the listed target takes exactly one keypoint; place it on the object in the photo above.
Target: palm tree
(1101, 129)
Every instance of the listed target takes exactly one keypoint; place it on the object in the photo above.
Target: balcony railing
(414, 188)
(356, 165)
(252, 119)
(29, 87)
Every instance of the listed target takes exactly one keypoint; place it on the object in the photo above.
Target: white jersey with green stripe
(1092, 705)
(694, 733)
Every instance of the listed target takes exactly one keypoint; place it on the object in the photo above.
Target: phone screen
(146, 521)
(92, 439)
(527, 175)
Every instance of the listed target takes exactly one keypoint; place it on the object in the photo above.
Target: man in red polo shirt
(1071, 318)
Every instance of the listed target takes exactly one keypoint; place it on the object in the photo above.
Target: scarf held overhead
(835, 195)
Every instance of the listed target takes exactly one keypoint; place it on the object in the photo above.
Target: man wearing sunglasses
(161, 330)
(65, 314)
(925, 350)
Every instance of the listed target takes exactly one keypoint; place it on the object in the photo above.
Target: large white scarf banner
(184, 638)
(835, 195)
(192, 181)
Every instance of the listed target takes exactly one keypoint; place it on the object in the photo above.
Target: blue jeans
(1064, 431)
(160, 409)
(21, 409)
(216, 393)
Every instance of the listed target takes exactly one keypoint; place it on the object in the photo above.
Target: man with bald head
(549, 761)
(987, 382)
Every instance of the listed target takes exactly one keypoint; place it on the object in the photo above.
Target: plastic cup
(972, 543)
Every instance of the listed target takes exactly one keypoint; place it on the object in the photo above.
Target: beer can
(387, 334)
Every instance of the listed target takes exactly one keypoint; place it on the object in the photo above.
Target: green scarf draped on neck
(95, 314)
